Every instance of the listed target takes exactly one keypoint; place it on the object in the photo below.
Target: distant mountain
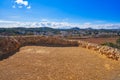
(45, 28)
(89, 28)
(75, 28)
(52, 29)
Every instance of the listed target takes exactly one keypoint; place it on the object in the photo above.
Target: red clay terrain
(58, 63)
(99, 40)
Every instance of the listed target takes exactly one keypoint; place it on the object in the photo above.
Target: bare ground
(100, 40)
(57, 63)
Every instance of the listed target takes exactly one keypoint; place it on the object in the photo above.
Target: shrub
(110, 44)
(118, 41)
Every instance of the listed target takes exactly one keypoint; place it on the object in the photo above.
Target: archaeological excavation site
(54, 58)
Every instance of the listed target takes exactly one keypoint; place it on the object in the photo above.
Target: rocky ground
(58, 63)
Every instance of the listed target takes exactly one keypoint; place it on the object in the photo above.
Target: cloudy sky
(60, 13)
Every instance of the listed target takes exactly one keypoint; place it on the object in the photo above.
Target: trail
(58, 63)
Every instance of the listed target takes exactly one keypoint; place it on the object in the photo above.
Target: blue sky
(75, 12)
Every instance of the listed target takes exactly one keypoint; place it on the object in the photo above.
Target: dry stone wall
(109, 52)
(10, 44)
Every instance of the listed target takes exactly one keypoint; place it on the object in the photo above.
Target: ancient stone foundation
(10, 44)
(109, 52)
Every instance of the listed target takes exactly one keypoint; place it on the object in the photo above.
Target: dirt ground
(58, 63)
(101, 40)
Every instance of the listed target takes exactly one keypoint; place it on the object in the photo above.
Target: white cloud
(29, 7)
(21, 4)
(65, 25)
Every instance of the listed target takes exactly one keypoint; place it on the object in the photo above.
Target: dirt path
(57, 63)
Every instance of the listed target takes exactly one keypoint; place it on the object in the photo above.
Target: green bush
(110, 44)
(118, 41)
(116, 45)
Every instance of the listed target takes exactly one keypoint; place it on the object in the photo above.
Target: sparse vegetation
(109, 52)
(114, 45)
(110, 44)
(118, 42)
(71, 33)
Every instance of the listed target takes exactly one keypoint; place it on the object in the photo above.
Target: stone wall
(109, 52)
(10, 44)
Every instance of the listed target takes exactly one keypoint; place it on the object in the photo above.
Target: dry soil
(58, 63)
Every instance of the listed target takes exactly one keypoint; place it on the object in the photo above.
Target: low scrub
(114, 45)
(108, 51)
(110, 44)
